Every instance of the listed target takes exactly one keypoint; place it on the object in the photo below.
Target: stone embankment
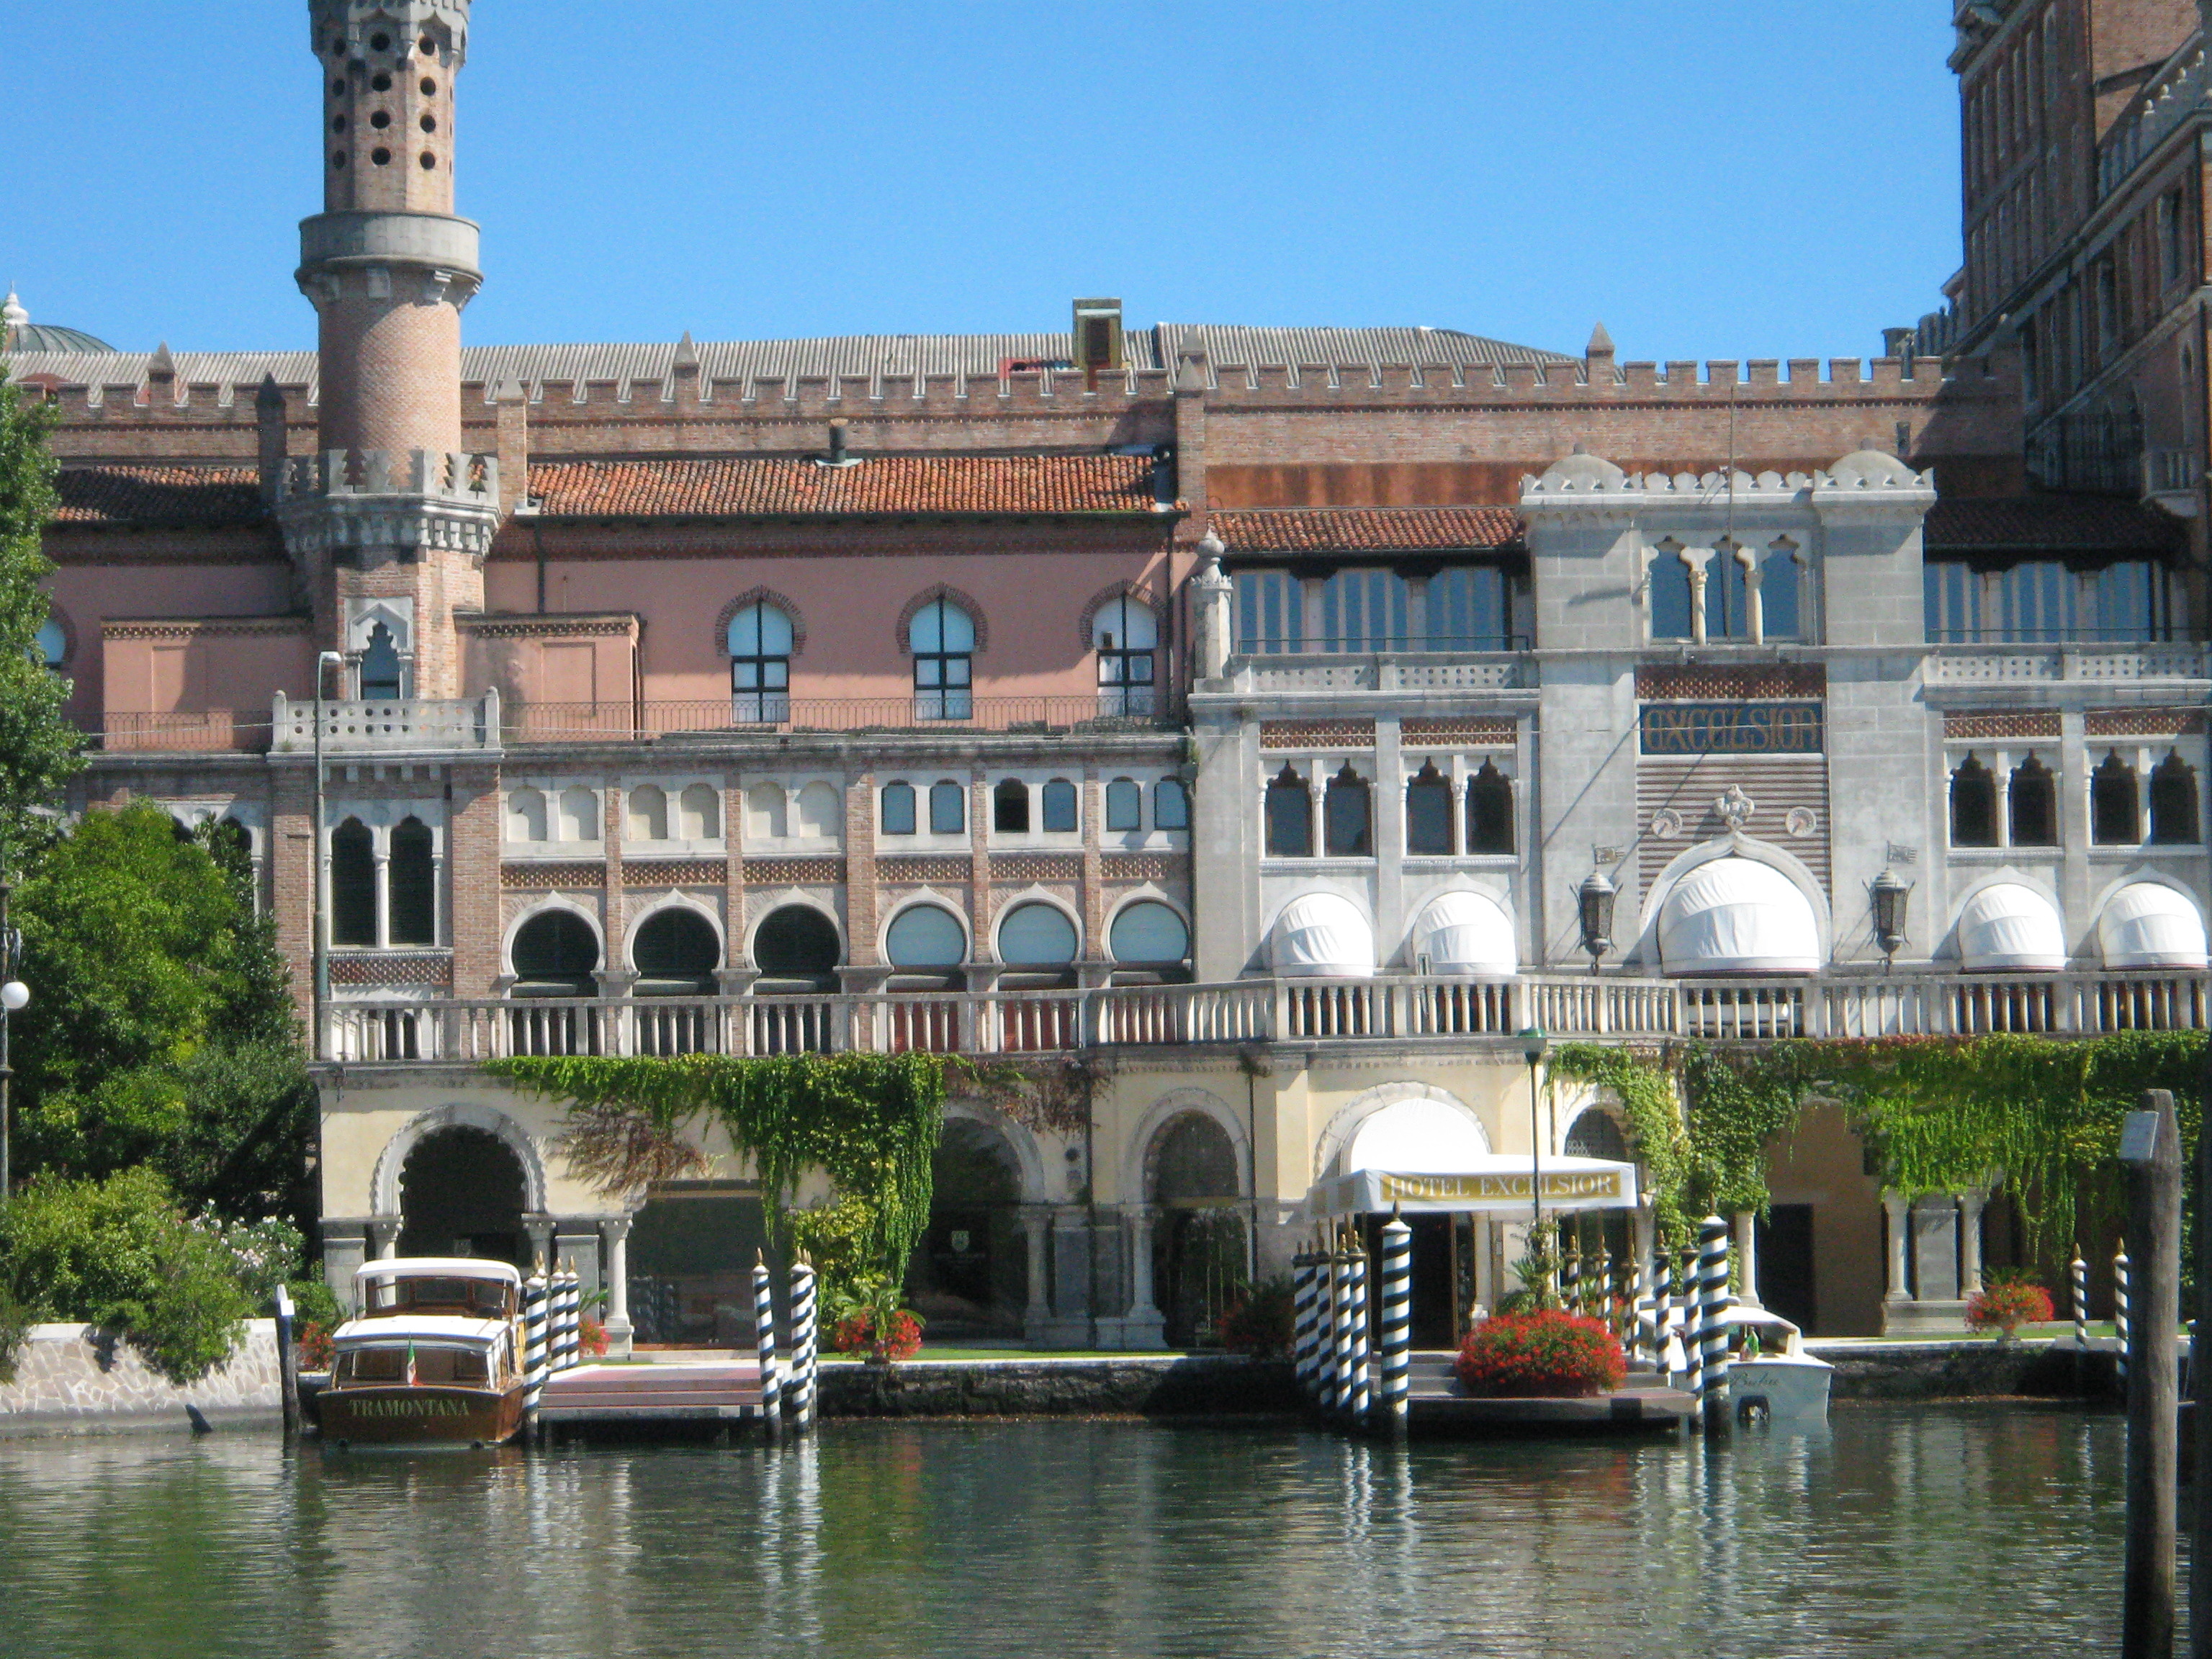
(76, 1379)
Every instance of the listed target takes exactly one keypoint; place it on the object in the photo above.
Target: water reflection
(1949, 1530)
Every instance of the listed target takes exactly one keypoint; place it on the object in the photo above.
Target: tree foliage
(39, 748)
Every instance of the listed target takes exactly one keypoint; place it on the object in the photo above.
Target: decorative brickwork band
(922, 866)
(1144, 866)
(1037, 866)
(793, 873)
(1463, 732)
(391, 967)
(1317, 734)
(673, 872)
(577, 877)
(2025, 723)
(1659, 681)
(2143, 722)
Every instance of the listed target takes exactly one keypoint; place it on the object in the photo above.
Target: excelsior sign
(1484, 1189)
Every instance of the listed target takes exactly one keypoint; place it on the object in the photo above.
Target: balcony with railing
(2080, 663)
(1387, 671)
(1247, 1011)
(2172, 97)
(773, 713)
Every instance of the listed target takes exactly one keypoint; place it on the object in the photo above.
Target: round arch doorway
(970, 1275)
(461, 1193)
(1200, 1257)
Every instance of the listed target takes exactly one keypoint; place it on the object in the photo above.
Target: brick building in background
(1248, 710)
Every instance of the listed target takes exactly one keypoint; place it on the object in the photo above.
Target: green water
(1969, 1530)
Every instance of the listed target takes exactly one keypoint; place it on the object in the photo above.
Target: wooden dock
(1437, 1405)
(706, 1391)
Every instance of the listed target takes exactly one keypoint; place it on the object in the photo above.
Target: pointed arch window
(943, 638)
(1126, 635)
(353, 884)
(1289, 817)
(1490, 810)
(760, 642)
(1429, 814)
(2173, 803)
(379, 667)
(1728, 602)
(1348, 817)
(1010, 808)
(2115, 806)
(412, 884)
(1670, 595)
(1973, 805)
(2032, 799)
(1779, 573)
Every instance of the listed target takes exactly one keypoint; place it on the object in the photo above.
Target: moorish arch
(1345, 1124)
(384, 1184)
(1145, 1144)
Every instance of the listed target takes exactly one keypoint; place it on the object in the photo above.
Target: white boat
(1788, 1384)
(433, 1358)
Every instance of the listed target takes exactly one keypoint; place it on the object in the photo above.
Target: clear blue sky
(1713, 179)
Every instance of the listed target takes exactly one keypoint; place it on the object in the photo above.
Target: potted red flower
(2005, 1304)
(1546, 1354)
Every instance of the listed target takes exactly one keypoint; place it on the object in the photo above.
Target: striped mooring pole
(1329, 1327)
(534, 1340)
(2077, 1282)
(1571, 1279)
(1303, 1302)
(1713, 1300)
(1361, 1381)
(567, 1334)
(771, 1386)
(2120, 1314)
(1681, 1323)
(1656, 1294)
(1397, 1322)
(804, 1347)
(1340, 1381)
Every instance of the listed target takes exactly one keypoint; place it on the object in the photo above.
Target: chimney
(161, 377)
(1097, 339)
(268, 421)
(840, 454)
(1598, 353)
(511, 414)
(1902, 344)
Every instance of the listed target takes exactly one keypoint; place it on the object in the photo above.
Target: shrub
(120, 1255)
(16, 1323)
(1262, 1320)
(1546, 1352)
(2005, 1304)
(317, 1352)
(885, 1339)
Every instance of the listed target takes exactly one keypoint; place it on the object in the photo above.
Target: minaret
(388, 526)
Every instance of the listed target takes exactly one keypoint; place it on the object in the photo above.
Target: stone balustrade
(2079, 664)
(387, 726)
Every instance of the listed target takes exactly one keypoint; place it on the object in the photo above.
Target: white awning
(1425, 1135)
(2146, 925)
(436, 1267)
(1735, 915)
(2010, 928)
(1321, 936)
(1497, 1183)
(1467, 933)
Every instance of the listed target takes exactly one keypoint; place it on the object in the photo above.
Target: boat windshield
(486, 1299)
(363, 1367)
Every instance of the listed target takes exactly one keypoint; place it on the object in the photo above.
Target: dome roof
(2010, 928)
(2145, 925)
(1735, 915)
(19, 333)
(1467, 933)
(1321, 936)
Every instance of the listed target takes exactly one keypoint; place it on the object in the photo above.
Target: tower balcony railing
(1321, 672)
(1013, 1024)
(386, 726)
(2080, 662)
(463, 479)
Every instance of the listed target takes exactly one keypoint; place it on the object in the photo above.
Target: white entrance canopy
(1494, 1183)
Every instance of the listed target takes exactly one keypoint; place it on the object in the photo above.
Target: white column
(438, 903)
(1971, 1204)
(384, 1237)
(1898, 1208)
(540, 1229)
(1141, 1305)
(1747, 1258)
(614, 1232)
(383, 896)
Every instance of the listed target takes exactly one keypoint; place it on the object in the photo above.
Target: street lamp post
(1533, 1044)
(326, 661)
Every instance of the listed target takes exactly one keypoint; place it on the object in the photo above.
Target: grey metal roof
(871, 356)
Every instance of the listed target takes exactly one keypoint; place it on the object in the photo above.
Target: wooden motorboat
(1782, 1379)
(433, 1358)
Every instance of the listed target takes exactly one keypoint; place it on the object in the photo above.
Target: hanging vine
(870, 1122)
(1644, 1085)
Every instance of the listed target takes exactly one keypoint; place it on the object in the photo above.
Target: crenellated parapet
(367, 502)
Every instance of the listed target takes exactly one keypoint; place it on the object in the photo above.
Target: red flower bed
(592, 1337)
(858, 1335)
(316, 1351)
(1548, 1354)
(1260, 1322)
(2008, 1303)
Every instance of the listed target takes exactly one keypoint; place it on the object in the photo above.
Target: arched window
(927, 944)
(648, 813)
(797, 949)
(1727, 607)
(1973, 805)
(51, 643)
(579, 815)
(675, 953)
(412, 884)
(821, 812)
(1289, 817)
(1149, 934)
(943, 639)
(898, 809)
(699, 812)
(1040, 938)
(1429, 814)
(555, 954)
(1594, 1134)
(1060, 813)
(1347, 817)
(2032, 799)
(1126, 635)
(1778, 577)
(760, 665)
(525, 816)
(767, 807)
(2115, 810)
(1125, 805)
(1171, 805)
(1670, 595)
(1010, 807)
(379, 667)
(2173, 819)
(353, 884)
(948, 808)
(1490, 810)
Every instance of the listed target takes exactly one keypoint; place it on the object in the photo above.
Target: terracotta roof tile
(186, 496)
(1367, 529)
(759, 488)
(2051, 524)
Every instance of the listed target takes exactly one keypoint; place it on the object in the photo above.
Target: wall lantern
(1594, 900)
(1891, 898)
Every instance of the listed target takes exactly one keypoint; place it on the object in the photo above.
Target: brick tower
(389, 524)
